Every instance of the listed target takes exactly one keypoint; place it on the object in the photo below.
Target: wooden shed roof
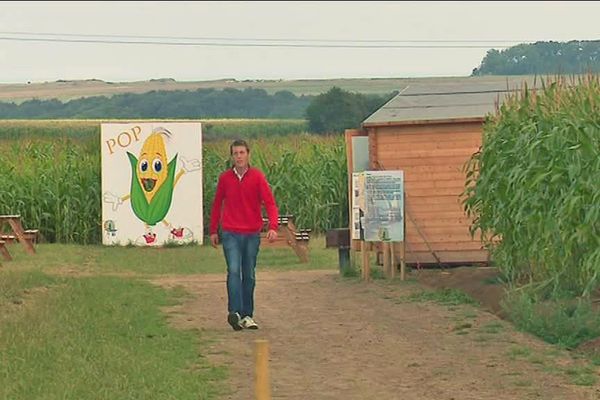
(460, 99)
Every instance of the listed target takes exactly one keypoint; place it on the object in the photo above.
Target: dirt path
(332, 338)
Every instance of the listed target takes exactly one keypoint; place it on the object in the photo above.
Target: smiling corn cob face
(152, 165)
(153, 179)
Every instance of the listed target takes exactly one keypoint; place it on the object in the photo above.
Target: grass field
(187, 259)
(82, 322)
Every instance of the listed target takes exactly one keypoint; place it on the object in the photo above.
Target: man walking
(241, 193)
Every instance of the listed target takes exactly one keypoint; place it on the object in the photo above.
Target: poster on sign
(358, 205)
(151, 183)
(378, 206)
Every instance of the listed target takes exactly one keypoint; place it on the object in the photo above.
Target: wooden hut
(430, 131)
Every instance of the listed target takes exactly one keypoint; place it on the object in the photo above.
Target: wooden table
(288, 235)
(14, 221)
(4, 251)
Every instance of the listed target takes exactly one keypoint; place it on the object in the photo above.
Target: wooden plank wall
(432, 157)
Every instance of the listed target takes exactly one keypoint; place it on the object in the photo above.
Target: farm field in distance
(65, 90)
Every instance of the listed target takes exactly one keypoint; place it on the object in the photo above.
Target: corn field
(55, 186)
(534, 188)
(54, 183)
(213, 129)
(308, 175)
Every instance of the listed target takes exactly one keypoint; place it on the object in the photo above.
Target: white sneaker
(248, 323)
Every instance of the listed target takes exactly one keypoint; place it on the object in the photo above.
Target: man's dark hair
(238, 143)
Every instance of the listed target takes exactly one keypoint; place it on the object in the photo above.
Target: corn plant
(55, 186)
(534, 188)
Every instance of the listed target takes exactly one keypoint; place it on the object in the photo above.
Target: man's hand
(214, 240)
(272, 235)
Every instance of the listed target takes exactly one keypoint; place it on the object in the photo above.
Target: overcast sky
(359, 26)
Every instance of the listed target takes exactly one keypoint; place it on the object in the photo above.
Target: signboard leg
(366, 268)
(402, 261)
(386, 259)
(393, 259)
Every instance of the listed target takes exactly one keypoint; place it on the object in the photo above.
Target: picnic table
(16, 232)
(289, 235)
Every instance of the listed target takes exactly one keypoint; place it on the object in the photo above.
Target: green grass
(518, 352)
(494, 280)
(482, 339)
(15, 284)
(350, 272)
(582, 375)
(376, 273)
(462, 326)
(492, 328)
(81, 322)
(100, 338)
(565, 322)
(447, 297)
(169, 260)
(522, 383)
(537, 359)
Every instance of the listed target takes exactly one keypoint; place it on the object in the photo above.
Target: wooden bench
(31, 235)
(4, 251)
(288, 236)
(26, 237)
(303, 235)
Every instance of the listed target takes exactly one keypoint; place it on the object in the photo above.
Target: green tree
(574, 57)
(201, 103)
(337, 109)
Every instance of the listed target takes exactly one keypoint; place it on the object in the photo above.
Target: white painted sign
(151, 183)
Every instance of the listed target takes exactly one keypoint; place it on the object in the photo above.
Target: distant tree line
(574, 57)
(330, 112)
(201, 103)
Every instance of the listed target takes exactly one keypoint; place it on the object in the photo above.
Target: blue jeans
(240, 251)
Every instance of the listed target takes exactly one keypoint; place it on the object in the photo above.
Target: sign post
(378, 215)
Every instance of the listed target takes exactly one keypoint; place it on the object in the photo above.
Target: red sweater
(237, 204)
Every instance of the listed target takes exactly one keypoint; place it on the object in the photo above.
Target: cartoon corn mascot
(153, 179)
